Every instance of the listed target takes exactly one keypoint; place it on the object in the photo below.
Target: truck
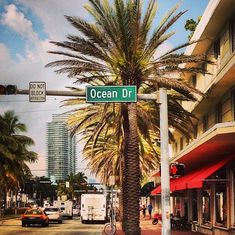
(66, 208)
(93, 208)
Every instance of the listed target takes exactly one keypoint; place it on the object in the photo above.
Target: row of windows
(218, 114)
(217, 48)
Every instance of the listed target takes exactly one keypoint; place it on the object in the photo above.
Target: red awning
(195, 178)
(158, 189)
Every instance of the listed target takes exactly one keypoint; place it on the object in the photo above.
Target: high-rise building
(61, 148)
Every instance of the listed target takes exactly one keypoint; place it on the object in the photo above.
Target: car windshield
(33, 212)
(51, 209)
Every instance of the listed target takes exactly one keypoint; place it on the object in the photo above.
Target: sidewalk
(148, 229)
(7, 217)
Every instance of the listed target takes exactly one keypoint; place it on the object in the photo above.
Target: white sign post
(37, 91)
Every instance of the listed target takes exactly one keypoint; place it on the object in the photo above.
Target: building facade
(205, 195)
(61, 149)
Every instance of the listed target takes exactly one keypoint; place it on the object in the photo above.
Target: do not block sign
(37, 91)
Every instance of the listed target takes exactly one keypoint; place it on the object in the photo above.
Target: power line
(39, 110)
(16, 101)
(80, 168)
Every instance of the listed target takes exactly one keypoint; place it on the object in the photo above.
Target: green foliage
(76, 182)
(190, 25)
(14, 152)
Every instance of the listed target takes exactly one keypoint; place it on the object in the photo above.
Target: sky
(26, 28)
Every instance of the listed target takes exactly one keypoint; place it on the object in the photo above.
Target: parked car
(35, 216)
(54, 214)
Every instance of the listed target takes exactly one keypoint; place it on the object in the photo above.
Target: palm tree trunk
(123, 166)
(121, 197)
(131, 172)
(1, 205)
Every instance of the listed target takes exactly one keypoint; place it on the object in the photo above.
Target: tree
(14, 152)
(76, 182)
(119, 48)
(191, 25)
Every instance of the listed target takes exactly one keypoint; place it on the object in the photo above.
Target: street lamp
(165, 174)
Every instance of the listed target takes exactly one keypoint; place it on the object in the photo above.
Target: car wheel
(60, 221)
(23, 224)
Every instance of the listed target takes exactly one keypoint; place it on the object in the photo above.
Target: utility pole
(165, 174)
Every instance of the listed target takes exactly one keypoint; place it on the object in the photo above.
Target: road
(68, 227)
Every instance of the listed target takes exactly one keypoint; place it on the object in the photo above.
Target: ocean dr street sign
(116, 94)
(37, 91)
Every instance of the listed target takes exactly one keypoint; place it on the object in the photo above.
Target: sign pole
(165, 174)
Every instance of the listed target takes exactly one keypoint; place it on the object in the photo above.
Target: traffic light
(177, 169)
(8, 90)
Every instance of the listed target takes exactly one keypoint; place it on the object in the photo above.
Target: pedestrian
(150, 208)
(144, 210)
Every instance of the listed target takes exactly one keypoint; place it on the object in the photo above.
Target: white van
(93, 208)
(65, 207)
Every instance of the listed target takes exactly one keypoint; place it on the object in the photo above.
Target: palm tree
(76, 182)
(119, 48)
(14, 152)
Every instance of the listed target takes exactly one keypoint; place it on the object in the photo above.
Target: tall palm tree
(119, 48)
(14, 153)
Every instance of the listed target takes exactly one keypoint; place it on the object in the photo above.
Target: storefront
(205, 197)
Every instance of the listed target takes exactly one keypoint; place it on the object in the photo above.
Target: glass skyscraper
(61, 148)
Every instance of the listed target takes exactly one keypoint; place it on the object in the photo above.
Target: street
(68, 227)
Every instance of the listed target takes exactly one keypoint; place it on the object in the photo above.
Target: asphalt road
(68, 227)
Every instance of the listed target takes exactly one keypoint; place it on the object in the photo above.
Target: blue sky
(16, 41)
(26, 27)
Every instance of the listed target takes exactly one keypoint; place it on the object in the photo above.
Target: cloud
(55, 24)
(162, 49)
(16, 21)
(5, 59)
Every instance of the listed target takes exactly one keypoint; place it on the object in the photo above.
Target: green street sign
(103, 94)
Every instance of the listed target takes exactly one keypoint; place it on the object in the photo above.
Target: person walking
(150, 208)
(144, 210)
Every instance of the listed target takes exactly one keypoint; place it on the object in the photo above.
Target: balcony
(214, 144)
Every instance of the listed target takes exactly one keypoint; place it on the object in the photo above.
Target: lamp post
(165, 174)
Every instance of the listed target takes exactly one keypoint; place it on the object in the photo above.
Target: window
(194, 80)
(176, 147)
(204, 67)
(232, 34)
(181, 143)
(205, 123)
(221, 198)
(206, 204)
(233, 103)
(217, 48)
(195, 132)
(218, 113)
(194, 205)
(233, 170)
